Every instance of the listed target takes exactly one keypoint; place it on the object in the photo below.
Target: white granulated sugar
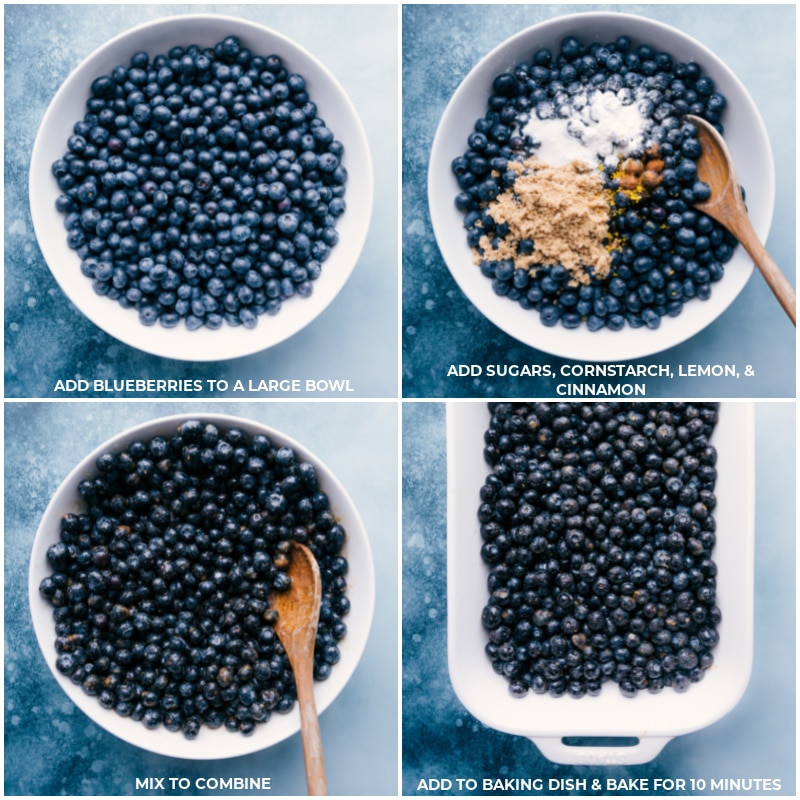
(558, 147)
(604, 127)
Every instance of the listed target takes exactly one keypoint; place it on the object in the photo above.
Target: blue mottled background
(46, 338)
(51, 748)
(441, 44)
(442, 740)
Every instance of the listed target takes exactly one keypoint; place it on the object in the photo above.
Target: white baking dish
(650, 720)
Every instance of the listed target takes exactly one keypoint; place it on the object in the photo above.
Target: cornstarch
(595, 127)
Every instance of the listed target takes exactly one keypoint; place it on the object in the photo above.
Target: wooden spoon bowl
(726, 205)
(298, 617)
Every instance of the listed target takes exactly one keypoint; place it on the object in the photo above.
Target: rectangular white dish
(651, 719)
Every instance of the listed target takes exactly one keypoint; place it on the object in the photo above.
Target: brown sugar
(562, 210)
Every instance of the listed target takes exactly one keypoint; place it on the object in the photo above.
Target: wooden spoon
(298, 616)
(725, 204)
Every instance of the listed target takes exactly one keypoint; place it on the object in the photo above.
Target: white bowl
(745, 135)
(68, 106)
(219, 743)
(650, 720)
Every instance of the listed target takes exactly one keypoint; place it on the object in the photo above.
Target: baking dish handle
(641, 751)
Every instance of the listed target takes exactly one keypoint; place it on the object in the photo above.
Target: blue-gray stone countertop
(47, 338)
(440, 327)
(52, 748)
(441, 739)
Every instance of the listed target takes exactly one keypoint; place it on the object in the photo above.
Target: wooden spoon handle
(772, 273)
(309, 730)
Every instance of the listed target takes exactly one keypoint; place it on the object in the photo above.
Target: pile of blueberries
(160, 588)
(664, 252)
(202, 186)
(598, 530)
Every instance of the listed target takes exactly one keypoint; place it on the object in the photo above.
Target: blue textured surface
(51, 748)
(442, 740)
(46, 338)
(441, 44)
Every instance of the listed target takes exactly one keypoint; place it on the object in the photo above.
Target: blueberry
(650, 318)
(716, 103)
(571, 319)
(549, 315)
(506, 84)
(571, 48)
(65, 664)
(686, 237)
(504, 270)
(595, 322)
(521, 278)
(548, 285)
(641, 242)
(701, 191)
(687, 171)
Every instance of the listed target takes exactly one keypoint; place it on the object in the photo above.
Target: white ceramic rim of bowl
(652, 718)
(751, 149)
(220, 743)
(335, 107)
